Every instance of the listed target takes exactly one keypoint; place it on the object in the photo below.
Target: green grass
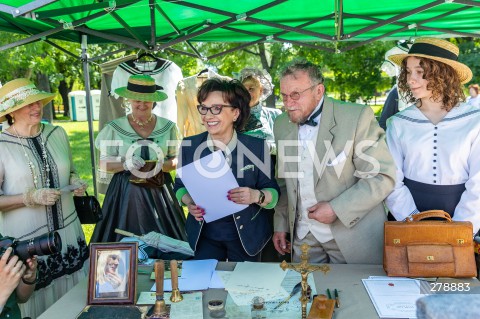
(78, 134)
(377, 109)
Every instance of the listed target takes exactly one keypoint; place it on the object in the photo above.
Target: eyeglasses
(296, 95)
(215, 109)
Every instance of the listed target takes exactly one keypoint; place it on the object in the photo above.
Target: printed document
(394, 297)
(208, 181)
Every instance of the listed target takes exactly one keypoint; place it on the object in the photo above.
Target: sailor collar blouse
(447, 153)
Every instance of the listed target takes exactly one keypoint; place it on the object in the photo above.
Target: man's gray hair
(311, 69)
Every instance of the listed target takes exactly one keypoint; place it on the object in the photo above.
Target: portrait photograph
(113, 269)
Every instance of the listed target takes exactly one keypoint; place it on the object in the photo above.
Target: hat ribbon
(17, 96)
(143, 88)
(432, 50)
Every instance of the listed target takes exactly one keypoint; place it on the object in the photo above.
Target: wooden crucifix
(304, 269)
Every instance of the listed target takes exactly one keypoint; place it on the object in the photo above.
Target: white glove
(134, 162)
(42, 196)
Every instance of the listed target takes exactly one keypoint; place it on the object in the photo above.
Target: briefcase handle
(430, 213)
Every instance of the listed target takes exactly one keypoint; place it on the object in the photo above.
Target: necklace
(141, 123)
(31, 166)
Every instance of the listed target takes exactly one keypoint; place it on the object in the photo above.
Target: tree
(361, 77)
(470, 55)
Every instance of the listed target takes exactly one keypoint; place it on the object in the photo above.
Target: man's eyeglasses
(296, 95)
(215, 109)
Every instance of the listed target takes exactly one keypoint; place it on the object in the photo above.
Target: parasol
(161, 242)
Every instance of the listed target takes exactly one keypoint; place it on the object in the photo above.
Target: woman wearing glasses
(224, 109)
(128, 145)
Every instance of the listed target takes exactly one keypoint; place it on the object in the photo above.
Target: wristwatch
(261, 198)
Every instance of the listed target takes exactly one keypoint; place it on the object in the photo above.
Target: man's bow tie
(311, 119)
(310, 122)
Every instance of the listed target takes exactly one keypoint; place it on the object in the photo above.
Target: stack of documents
(394, 297)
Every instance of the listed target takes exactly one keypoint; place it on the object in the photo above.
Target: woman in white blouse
(436, 141)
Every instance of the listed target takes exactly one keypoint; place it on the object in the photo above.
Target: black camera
(46, 244)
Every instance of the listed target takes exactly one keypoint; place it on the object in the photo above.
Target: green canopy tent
(159, 24)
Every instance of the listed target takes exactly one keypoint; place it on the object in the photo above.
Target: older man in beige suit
(337, 169)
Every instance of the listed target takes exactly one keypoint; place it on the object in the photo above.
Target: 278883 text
(436, 287)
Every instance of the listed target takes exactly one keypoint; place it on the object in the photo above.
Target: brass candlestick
(160, 308)
(304, 269)
(176, 295)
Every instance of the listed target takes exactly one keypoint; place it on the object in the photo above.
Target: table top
(346, 278)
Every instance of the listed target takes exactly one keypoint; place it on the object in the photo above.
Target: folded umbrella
(161, 242)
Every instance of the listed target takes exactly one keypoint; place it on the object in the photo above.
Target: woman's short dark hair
(233, 92)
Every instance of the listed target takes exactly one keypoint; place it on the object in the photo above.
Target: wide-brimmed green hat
(142, 88)
(19, 93)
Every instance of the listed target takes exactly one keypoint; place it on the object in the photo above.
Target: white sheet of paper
(236, 308)
(219, 278)
(255, 279)
(208, 181)
(394, 298)
(191, 307)
(247, 275)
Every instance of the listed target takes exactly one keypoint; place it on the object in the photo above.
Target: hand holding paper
(208, 181)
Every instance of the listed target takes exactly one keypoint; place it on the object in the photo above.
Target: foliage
(25, 60)
(268, 56)
(361, 77)
(470, 55)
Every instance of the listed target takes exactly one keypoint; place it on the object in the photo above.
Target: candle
(174, 272)
(159, 273)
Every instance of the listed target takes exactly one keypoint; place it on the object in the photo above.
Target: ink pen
(337, 299)
(329, 294)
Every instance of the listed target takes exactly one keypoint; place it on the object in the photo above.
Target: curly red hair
(442, 79)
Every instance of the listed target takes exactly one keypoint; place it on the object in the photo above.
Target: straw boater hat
(142, 88)
(19, 93)
(438, 50)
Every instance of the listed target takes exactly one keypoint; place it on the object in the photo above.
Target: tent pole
(88, 101)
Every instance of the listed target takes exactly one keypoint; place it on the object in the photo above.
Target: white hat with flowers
(19, 93)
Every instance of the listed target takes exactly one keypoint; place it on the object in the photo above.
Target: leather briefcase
(429, 248)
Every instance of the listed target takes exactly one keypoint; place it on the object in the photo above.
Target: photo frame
(113, 273)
